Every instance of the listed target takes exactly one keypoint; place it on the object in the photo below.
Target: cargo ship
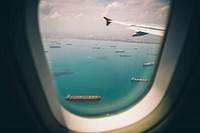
(148, 63)
(91, 97)
(125, 55)
(152, 54)
(96, 47)
(54, 46)
(139, 79)
(119, 51)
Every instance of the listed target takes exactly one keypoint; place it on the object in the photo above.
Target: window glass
(102, 54)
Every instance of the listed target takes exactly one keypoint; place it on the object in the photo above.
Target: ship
(119, 51)
(57, 43)
(148, 63)
(96, 47)
(125, 55)
(54, 46)
(88, 97)
(152, 54)
(139, 79)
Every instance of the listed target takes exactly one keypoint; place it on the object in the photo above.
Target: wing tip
(108, 21)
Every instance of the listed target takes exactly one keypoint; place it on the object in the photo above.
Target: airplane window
(102, 54)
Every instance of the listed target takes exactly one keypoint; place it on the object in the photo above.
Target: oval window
(102, 54)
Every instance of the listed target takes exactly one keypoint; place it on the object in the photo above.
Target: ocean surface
(92, 67)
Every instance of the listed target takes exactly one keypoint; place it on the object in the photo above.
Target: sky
(85, 17)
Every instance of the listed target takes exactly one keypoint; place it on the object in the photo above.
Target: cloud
(115, 4)
(55, 15)
(79, 16)
(45, 7)
(85, 17)
(109, 7)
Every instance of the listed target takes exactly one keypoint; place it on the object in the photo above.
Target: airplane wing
(141, 29)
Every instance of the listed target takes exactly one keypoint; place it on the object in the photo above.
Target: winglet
(108, 21)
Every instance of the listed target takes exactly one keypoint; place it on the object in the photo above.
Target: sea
(96, 67)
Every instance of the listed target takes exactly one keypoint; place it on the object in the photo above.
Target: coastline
(103, 39)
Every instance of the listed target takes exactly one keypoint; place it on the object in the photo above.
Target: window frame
(172, 46)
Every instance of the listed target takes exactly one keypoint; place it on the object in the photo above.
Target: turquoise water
(78, 69)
